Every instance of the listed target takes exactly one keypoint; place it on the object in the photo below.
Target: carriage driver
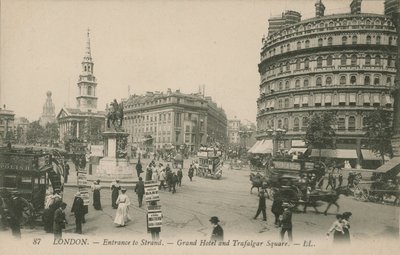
(303, 184)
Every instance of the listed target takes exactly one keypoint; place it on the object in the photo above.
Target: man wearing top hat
(79, 211)
(217, 233)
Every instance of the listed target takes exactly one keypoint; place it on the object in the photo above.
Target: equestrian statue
(115, 114)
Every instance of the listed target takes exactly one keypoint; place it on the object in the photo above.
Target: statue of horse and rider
(115, 114)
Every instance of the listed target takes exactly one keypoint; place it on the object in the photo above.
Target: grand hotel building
(343, 63)
(173, 120)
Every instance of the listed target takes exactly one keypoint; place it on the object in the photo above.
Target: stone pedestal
(115, 164)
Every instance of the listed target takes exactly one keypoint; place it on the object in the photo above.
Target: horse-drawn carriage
(210, 163)
(379, 190)
(28, 172)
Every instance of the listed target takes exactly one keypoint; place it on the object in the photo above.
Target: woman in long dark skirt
(96, 195)
(115, 188)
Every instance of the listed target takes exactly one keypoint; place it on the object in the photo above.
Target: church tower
(87, 100)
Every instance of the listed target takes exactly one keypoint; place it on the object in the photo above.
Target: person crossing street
(139, 189)
(261, 206)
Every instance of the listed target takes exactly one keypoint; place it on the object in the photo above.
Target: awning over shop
(370, 155)
(297, 150)
(388, 99)
(328, 99)
(338, 153)
(272, 106)
(265, 147)
(391, 167)
(376, 99)
(317, 99)
(342, 98)
(352, 98)
(298, 143)
(251, 150)
(366, 99)
(305, 99)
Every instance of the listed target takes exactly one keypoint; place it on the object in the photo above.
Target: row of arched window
(327, 80)
(329, 61)
(300, 123)
(326, 99)
(319, 42)
(330, 25)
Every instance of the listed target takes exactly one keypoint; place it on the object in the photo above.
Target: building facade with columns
(343, 63)
(173, 120)
(74, 122)
(6, 124)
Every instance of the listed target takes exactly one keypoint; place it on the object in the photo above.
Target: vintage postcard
(177, 126)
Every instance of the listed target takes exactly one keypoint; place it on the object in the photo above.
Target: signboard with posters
(154, 219)
(286, 165)
(151, 191)
(82, 186)
(85, 196)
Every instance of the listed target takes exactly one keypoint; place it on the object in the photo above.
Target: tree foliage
(320, 132)
(51, 134)
(93, 130)
(35, 132)
(44, 135)
(378, 125)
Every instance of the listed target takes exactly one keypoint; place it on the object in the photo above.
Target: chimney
(319, 9)
(355, 6)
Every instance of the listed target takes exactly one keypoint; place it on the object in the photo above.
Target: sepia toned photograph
(176, 126)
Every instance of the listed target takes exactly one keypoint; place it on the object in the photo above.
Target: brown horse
(331, 197)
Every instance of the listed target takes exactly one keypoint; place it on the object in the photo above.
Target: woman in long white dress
(122, 215)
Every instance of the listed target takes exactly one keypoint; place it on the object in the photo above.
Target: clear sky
(147, 45)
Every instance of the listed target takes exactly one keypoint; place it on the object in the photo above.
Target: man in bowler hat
(218, 232)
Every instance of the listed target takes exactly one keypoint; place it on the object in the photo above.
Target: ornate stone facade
(343, 63)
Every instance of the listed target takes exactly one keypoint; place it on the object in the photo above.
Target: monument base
(115, 168)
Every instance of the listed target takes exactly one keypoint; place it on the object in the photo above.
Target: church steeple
(87, 100)
(88, 54)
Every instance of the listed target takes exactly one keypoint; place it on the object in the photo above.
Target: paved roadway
(187, 213)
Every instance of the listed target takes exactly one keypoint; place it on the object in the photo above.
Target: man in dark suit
(139, 168)
(286, 222)
(169, 178)
(180, 176)
(59, 221)
(174, 181)
(218, 232)
(66, 173)
(261, 206)
(139, 189)
(79, 211)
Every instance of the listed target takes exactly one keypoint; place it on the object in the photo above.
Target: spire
(88, 54)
